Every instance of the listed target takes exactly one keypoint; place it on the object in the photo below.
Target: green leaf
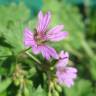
(3, 93)
(2, 71)
(39, 92)
(4, 51)
(12, 26)
(4, 84)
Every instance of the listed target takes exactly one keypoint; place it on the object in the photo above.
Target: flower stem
(34, 58)
(87, 49)
(25, 50)
(21, 52)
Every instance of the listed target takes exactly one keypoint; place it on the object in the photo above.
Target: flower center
(39, 38)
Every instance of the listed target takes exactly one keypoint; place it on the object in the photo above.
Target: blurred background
(79, 19)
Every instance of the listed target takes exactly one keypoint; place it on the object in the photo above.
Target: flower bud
(19, 94)
(26, 91)
(16, 82)
(49, 94)
(55, 93)
(58, 88)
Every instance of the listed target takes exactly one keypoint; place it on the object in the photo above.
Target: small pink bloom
(38, 39)
(65, 75)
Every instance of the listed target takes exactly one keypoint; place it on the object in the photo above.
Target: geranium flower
(39, 38)
(65, 75)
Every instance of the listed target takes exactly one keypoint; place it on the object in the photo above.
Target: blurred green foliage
(81, 44)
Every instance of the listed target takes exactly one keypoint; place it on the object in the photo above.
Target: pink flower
(65, 75)
(38, 39)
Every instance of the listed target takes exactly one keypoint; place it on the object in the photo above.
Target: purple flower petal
(69, 82)
(40, 15)
(56, 34)
(48, 52)
(72, 69)
(43, 22)
(29, 38)
(63, 55)
(36, 50)
(65, 75)
(45, 53)
(40, 18)
(65, 78)
(62, 63)
(63, 59)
